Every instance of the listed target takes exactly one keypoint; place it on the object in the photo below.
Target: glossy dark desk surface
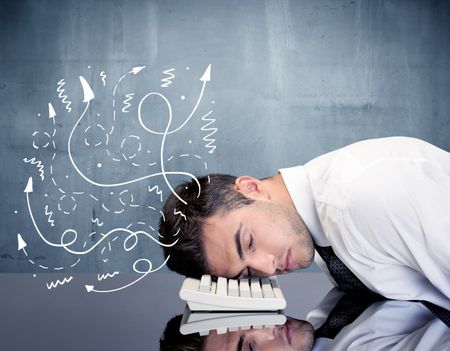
(67, 317)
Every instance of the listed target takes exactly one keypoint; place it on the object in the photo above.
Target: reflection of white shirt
(384, 207)
(385, 325)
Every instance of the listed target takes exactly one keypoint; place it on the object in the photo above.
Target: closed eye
(251, 243)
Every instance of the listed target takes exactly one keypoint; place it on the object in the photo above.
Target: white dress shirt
(384, 207)
(385, 325)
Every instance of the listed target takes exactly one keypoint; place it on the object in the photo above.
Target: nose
(263, 265)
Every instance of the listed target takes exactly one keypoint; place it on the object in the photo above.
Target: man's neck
(277, 190)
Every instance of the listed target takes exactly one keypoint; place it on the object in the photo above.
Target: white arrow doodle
(90, 288)
(21, 244)
(87, 91)
(51, 112)
(137, 69)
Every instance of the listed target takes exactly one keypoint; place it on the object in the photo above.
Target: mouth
(288, 264)
(287, 331)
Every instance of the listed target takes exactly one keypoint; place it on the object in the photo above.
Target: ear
(251, 187)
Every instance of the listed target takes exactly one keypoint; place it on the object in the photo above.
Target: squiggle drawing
(61, 94)
(157, 191)
(38, 164)
(101, 277)
(108, 143)
(96, 221)
(168, 80)
(212, 131)
(126, 102)
(54, 284)
(175, 212)
(49, 215)
(103, 77)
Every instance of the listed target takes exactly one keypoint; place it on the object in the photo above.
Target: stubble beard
(297, 227)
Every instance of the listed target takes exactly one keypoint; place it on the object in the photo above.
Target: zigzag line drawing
(49, 214)
(63, 96)
(168, 80)
(207, 138)
(103, 77)
(54, 284)
(38, 164)
(175, 212)
(126, 103)
(101, 277)
(158, 192)
(96, 221)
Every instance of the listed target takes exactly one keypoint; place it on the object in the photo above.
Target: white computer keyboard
(223, 322)
(222, 294)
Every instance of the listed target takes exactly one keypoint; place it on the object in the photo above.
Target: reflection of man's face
(293, 335)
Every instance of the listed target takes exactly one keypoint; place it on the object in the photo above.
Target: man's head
(236, 226)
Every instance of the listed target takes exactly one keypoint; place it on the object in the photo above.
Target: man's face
(294, 335)
(263, 238)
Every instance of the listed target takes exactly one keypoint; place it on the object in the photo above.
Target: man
(382, 206)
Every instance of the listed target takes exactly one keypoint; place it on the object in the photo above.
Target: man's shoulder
(332, 175)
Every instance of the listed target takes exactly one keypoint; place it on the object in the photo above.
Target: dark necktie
(349, 282)
(347, 309)
(344, 277)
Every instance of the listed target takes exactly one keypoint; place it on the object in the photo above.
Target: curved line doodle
(21, 244)
(90, 288)
(88, 96)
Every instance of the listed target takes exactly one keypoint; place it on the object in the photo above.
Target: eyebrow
(237, 241)
(240, 343)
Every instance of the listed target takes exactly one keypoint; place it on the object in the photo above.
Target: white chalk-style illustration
(211, 130)
(103, 77)
(62, 95)
(56, 283)
(167, 80)
(106, 160)
(101, 277)
(38, 164)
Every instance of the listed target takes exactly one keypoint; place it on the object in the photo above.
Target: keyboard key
(205, 283)
(222, 286)
(276, 289)
(233, 288)
(267, 288)
(213, 288)
(221, 330)
(255, 288)
(244, 288)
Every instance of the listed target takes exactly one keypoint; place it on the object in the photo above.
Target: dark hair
(217, 194)
(173, 340)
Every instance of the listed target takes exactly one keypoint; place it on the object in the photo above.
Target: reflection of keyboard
(224, 322)
(247, 294)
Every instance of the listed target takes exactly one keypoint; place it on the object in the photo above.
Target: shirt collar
(297, 183)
